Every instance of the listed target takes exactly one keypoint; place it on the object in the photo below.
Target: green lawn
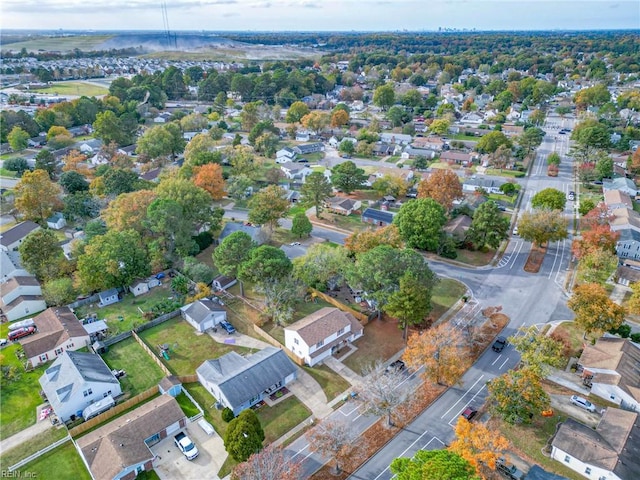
(7, 173)
(332, 384)
(187, 349)
(477, 258)
(74, 88)
(279, 419)
(19, 398)
(446, 293)
(62, 463)
(296, 209)
(128, 308)
(207, 402)
(31, 446)
(142, 372)
(187, 406)
(505, 173)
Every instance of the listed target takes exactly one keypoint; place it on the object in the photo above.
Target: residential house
(412, 152)
(222, 282)
(10, 268)
(59, 330)
(382, 149)
(303, 136)
(203, 314)
(75, 381)
(56, 221)
(307, 148)
(256, 233)
(12, 238)
(108, 297)
(342, 205)
(295, 171)
(152, 175)
(610, 367)
(458, 158)
(318, 335)
(429, 143)
(616, 199)
(626, 275)
(239, 382)
(21, 296)
(380, 218)
(396, 138)
(623, 184)
(285, 155)
(471, 118)
(610, 451)
(491, 185)
(624, 218)
(628, 244)
(120, 449)
(512, 130)
(458, 227)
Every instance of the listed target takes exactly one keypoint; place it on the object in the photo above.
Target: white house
(108, 297)
(491, 185)
(609, 452)
(21, 296)
(317, 336)
(203, 314)
(9, 268)
(623, 184)
(396, 138)
(239, 382)
(471, 119)
(120, 450)
(58, 331)
(11, 239)
(610, 368)
(285, 155)
(295, 171)
(56, 221)
(628, 244)
(75, 381)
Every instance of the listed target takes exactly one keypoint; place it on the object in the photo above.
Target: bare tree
(268, 464)
(333, 439)
(383, 390)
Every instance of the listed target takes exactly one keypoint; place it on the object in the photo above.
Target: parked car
(3, 342)
(295, 244)
(21, 332)
(499, 344)
(186, 446)
(583, 403)
(228, 327)
(397, 366)
(509, 470)
(469, 413)
(515, 230)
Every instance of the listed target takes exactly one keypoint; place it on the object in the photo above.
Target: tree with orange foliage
(73, 162)
(600, 215)
(633, 163)
(339, 118)
(315, 121)
(442, 352)
(443, 186)
(366, 240)
(598, 237)
(129, 210)
(209, 178)
(333, 439)
(477, 444)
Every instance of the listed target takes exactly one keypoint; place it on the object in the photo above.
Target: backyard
(142, 372)
(31, 446)
(63, 460)
(126, 314)
(187, 350)
(20, 397)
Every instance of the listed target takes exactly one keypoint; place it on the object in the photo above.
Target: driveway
(563, 404)
(171, 463)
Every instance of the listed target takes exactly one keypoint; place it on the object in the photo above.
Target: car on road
(469, 413)
(583, 403)
(571, 195)
(515, 230)
(499, 344)
(228, 327)
(397, 366)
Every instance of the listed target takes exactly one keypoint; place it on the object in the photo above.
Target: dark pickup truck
(509, 470)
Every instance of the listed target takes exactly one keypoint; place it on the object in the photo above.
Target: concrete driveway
(563, 404)
(171, 463)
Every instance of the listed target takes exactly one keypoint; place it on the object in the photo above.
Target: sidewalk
(345, 372)
(25, 435)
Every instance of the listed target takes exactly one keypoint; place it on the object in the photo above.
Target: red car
(21, 332)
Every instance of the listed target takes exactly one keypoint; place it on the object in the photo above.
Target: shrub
(635, 337)
(227, 414)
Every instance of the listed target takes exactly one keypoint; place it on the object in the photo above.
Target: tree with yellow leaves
(202, 291)
(37, 197)
(517, 396)
(442, 352)
(366, 240)
(478, 444)
(129, 211)
(595, 311)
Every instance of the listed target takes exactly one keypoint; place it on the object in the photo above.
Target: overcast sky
(320, 14)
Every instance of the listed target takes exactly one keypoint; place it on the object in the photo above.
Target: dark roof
(628, 235)
(378, 215)
(91, 367)
(14, 234)
(538, 473)
(121, 443)
(254, 232)
(242, 378)
(308, 147)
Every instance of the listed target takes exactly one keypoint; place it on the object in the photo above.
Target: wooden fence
(152, 354)
(116, 338)
(85, 301)
(362, 318)
(188, 378)
(121, 407)
(269, 339)
(158, 320)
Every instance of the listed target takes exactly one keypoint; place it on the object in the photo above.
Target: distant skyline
(314, 15)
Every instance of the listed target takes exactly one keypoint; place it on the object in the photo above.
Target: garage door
(173, 428)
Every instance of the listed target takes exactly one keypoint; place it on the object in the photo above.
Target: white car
(295, 244)
(515, 230)
(3, 342)
(583, 403)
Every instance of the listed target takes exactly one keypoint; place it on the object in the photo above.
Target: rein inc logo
(18, 474)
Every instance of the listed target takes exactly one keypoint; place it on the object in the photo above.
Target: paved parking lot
(171, 464)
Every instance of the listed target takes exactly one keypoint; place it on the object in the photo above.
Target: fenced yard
(142, 371)
(126, 314)
(187, 350)
(61, 463)
(31, 446)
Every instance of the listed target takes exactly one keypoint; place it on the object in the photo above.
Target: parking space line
(463, 395)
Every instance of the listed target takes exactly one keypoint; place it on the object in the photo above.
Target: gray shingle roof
(254, 232)
(14, 234)
(200, 309)
(378, 215)
(242, 378)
